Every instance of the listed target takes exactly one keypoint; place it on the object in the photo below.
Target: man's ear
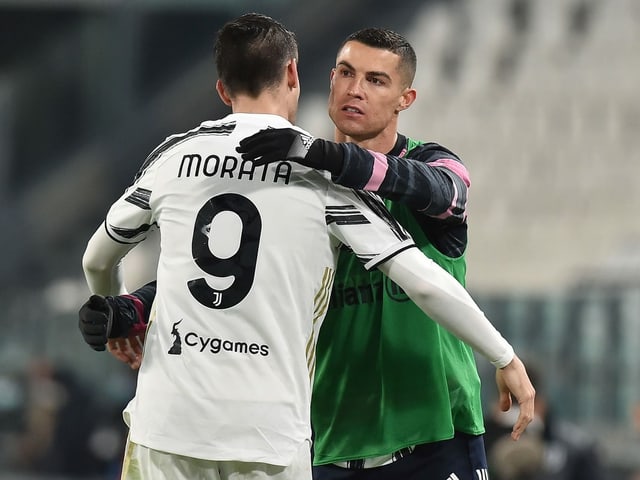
(222, 93)
(293, 80)
(407, 98)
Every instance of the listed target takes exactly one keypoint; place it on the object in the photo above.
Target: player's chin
(351, 127)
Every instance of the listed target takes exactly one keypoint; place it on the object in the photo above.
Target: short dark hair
(250, 53)
(388, 40)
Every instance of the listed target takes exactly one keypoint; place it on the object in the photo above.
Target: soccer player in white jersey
(244, 275)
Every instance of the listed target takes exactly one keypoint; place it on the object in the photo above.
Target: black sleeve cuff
(326, 155)
(124, 316)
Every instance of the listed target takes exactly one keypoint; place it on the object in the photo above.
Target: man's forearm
(101, 264)
(448, 303)
(436, 188)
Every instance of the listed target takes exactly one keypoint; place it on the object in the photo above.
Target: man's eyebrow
(373, 73)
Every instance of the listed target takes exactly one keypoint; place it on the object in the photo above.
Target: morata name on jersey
(195, 165)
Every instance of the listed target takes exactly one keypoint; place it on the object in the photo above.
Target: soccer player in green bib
(394, 396)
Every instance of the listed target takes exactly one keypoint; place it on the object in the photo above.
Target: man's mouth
(352, 109)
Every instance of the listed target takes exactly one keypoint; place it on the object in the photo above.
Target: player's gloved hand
(96, 321)
(102, 318)
(278, 144)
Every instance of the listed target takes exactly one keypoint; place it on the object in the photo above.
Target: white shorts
(142, 463)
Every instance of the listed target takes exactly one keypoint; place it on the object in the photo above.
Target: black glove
(96, 321)
(278, 144)
(101, 318)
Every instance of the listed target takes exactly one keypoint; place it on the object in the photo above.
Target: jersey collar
(400, 147)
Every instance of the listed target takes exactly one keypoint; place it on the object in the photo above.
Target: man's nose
(355, 89)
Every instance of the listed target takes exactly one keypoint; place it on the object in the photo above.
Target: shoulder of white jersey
(302, 130)
(376, 204)
(212, 127)
(221, 127)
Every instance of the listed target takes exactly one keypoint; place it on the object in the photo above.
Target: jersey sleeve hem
(389, 253)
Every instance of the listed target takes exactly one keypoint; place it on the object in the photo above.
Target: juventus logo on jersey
(217, 299)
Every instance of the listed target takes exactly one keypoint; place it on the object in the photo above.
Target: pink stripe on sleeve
(461, 171)
(456, 167)
(380, 167)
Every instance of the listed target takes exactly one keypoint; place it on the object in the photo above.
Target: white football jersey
(246, 265)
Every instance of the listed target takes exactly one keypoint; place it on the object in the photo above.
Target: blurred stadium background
(540, 98)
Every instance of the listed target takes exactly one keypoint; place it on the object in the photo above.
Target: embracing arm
(447, 302)
(101, 263)
(433, 181)
(110, 313)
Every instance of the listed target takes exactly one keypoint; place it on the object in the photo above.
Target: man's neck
(264, 103)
